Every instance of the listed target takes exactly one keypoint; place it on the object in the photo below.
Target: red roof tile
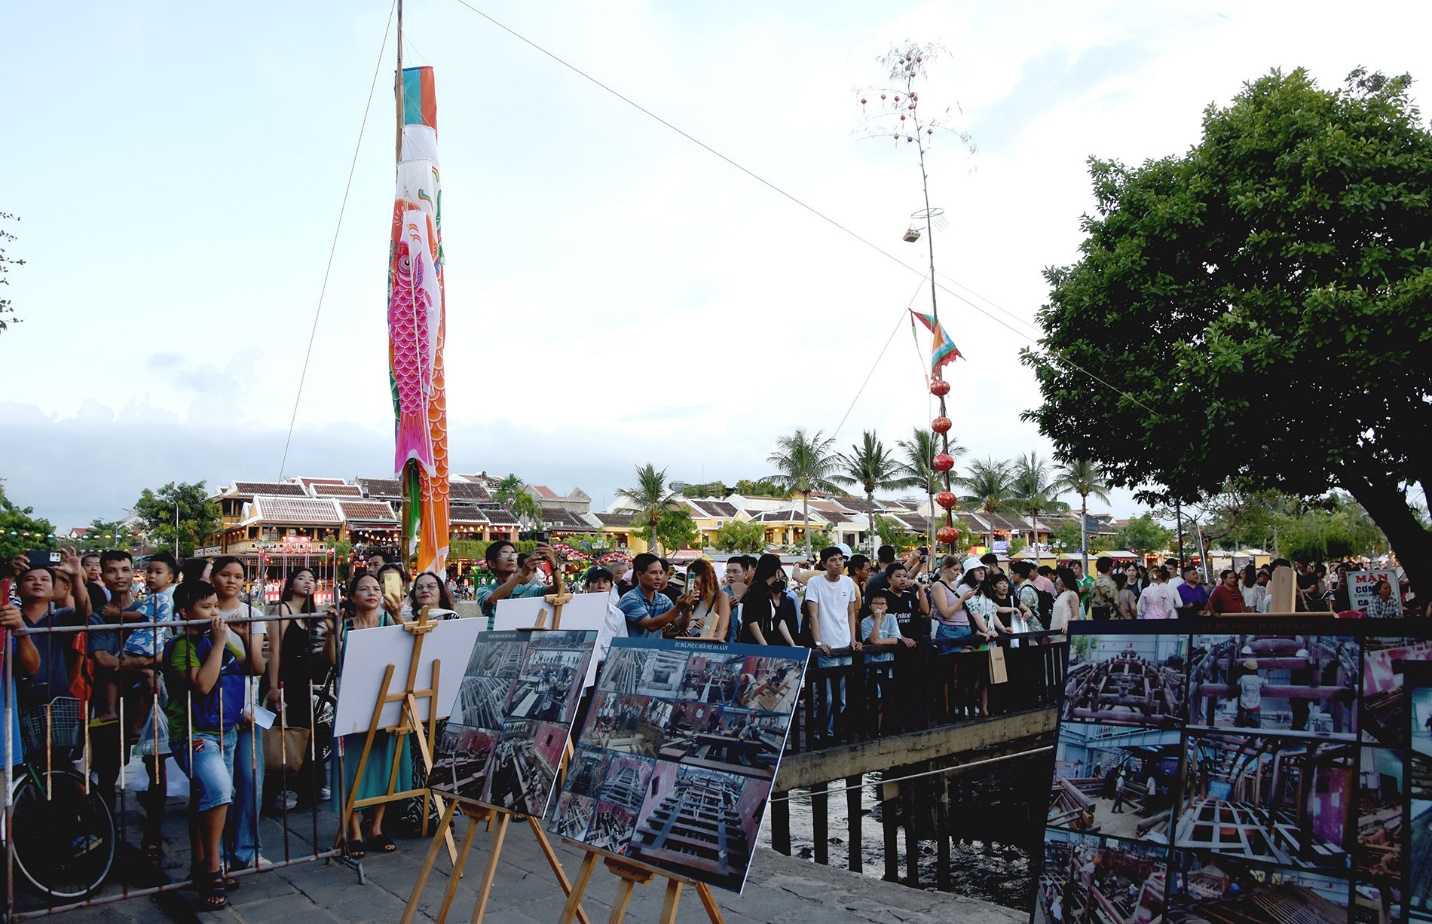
(324, 489)
(298, 511)
(269, 488)
(365, 509)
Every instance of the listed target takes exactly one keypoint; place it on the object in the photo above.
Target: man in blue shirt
(646, 608)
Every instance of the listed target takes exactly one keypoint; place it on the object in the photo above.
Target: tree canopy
(1261, 307)
(19, 530)
(197, 519)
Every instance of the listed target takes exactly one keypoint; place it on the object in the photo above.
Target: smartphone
(532, 535)
(392, 584)
(44, 559)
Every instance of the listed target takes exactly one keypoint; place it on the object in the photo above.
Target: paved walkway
(781, 890)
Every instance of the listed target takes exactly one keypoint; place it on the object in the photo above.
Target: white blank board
(370, 651)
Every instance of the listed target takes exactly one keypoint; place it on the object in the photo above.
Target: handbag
(997, 672)
(285, 748)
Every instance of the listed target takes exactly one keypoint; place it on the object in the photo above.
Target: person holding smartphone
(512, 580)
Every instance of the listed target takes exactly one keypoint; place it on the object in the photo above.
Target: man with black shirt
(909, 603)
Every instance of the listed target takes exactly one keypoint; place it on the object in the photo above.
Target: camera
(532, 535)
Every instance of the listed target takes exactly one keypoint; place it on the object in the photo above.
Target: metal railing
(85, 819)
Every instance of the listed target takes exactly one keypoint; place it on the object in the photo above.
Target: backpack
(1046, 606)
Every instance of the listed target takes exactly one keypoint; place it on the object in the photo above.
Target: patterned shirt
(1391, 608)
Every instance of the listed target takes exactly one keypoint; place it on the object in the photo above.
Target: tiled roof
(363, 509)
(617, 520)
(913, 521)
(337, 490)
(467, 514)
(466, 490)
(541, 490)
(561, 518)
(269, 488)
(859, 504)
(310, 482)
(785, 516)
(300, 511)
(380, 487)
(719, 508)
(499, 515)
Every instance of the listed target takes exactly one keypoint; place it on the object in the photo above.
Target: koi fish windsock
(417, 327)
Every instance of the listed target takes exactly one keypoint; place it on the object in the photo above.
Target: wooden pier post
(889, 815)
(942, 836)
(854, 816)
(820, 822)
(781, 823)
(912, 835)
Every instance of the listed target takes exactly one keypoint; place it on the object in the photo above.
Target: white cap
(844, 549)
(1301, 653)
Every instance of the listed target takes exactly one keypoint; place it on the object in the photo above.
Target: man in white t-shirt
(831, 608)
(1250, 696)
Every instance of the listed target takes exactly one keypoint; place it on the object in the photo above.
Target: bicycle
(63, 832)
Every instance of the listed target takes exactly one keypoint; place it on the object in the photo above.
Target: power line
(333, 247)
(809, 208)
(899, 322)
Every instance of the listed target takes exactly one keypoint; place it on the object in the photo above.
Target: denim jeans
(241, 835)
(208, 761)
(830, 700)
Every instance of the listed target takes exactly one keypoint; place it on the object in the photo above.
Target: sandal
(383, 843)
(216, 896)
(357, 850)
(153, 849)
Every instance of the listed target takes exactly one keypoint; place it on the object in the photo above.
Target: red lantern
(941, 425)
(946, 499)
(944, 462)
(939, 388)
(947, 535)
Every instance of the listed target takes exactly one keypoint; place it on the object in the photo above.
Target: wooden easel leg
(490, 874)
(427, 867)
(574, 897)
(669, 903)
(363, 759)
(546, 847)
(619, 905)
(708, 901)
(457, 867)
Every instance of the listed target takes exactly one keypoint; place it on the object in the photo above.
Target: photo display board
(1418, 771)
(674, 764)
(503, 743)
(1236, 769)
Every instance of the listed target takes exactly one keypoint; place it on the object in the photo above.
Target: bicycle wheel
(64, 844)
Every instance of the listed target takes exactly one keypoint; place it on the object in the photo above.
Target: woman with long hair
(366, 611)
(299, 653)
(711, 607)
(242, 844)
(768, 617)
(1066, 602)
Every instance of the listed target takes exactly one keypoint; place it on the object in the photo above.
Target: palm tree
(1086, 479)
(805, 464)
(508, 489)
(1035, 490)
(872, 467)
(991, 487)
(651, 497)
(918, 468)
(526, 508)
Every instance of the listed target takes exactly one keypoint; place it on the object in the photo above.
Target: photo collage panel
(1238, 769)
(674, 763)
(503, 743)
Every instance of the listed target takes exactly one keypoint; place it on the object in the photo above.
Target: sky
(617, 295)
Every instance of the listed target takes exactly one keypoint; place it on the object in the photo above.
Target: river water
(997, 824)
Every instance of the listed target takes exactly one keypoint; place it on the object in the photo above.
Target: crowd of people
(194, 663)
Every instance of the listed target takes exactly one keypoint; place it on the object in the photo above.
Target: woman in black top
(768, 617)
(301, 662)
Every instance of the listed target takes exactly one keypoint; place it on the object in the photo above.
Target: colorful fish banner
(417, 327)
(944, 350)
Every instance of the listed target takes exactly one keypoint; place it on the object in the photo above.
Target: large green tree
(1036, 489)
(179, 513)
(740, 536)
(1261, 306)
(805, 464)
(1142, 535)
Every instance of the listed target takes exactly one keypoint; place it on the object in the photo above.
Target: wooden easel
(497, 821)
(408, 724)
(632, 875)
